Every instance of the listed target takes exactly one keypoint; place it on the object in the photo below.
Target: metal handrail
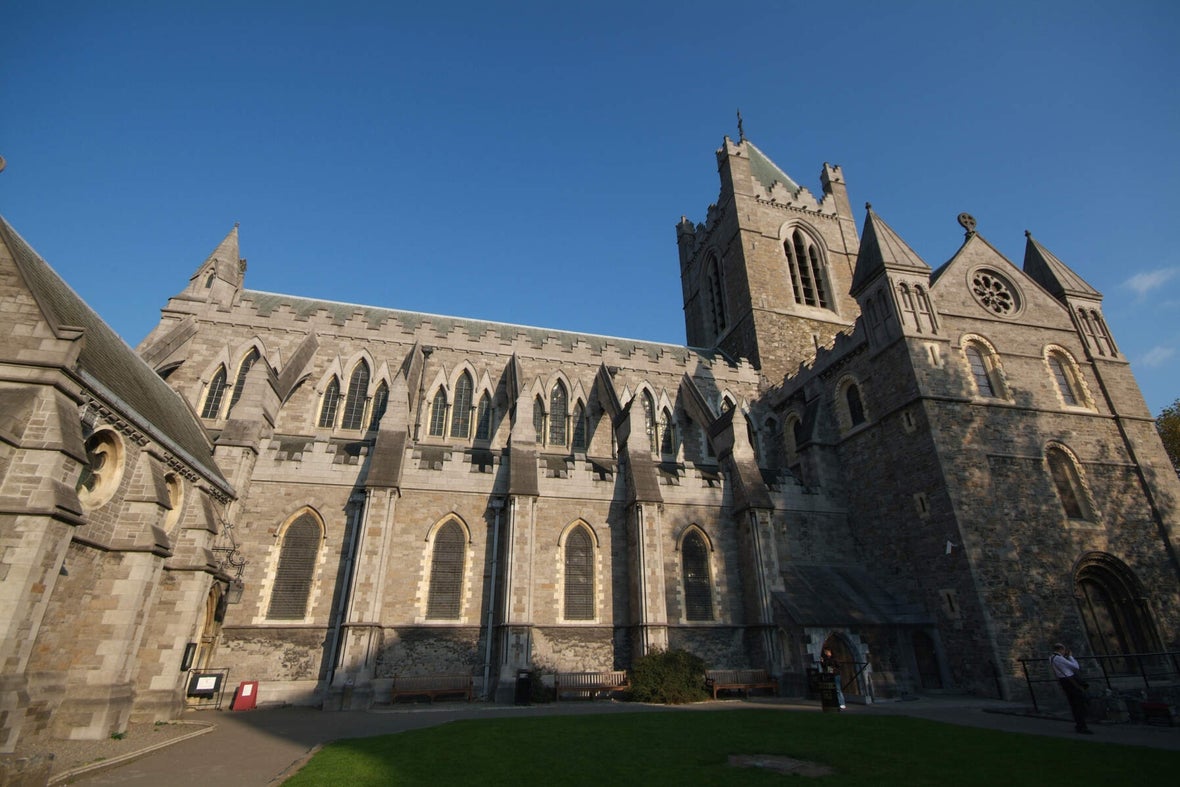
(1167, 671)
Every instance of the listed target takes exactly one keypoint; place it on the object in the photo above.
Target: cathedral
(933, 471)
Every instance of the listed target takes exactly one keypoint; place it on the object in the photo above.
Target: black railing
(1122, 672)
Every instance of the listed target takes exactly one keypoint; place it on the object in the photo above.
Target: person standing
(828, 664)
(1065, 669)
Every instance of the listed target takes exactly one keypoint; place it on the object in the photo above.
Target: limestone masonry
(934, 472)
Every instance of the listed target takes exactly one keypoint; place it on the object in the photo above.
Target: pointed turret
(219, 278)
(882, 249)
(1053, 274)
(891, 284)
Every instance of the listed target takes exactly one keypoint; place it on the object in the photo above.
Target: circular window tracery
(103, 470)
(995, 293)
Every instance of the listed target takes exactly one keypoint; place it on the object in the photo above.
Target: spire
(1054, 275)
(224, 262)
(765, 170)
(882, 249)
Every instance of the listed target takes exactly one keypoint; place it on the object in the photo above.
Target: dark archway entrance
(1114, 609)
(848, 664)
(926, 657)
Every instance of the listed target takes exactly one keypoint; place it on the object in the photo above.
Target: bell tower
(766, 276)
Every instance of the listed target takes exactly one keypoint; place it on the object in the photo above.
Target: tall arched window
(558, 410)
(461, 412)
(330, 404)
(579, 575)
(716, 301)
(979, 371)
(579, 441)
(293, 578)
(698, 589)
(539, 419)
(358, 397)
(807, 269)
(667, 433)
(856, 407)
(1068, 483)
(649, 420)
(1065, 376)
(240, 383)
(438, 414)
(213, 396)
(380, 402)
(483, 419)
(446, 572)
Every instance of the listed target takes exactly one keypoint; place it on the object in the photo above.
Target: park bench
(739, 680)
(432, 686)
(590, 683)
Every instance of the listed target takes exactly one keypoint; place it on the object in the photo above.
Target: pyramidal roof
(882, 249)
(225, 258)
(765, 170)
(1054, 275)
(110, 365)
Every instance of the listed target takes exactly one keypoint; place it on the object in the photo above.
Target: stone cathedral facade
(935, 471)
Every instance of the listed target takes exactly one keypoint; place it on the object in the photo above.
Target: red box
(246, 697)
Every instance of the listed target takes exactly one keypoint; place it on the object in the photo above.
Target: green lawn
(678, 748)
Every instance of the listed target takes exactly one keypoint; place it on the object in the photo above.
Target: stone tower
(766, 276)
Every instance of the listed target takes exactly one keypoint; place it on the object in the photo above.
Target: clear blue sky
(527, 161)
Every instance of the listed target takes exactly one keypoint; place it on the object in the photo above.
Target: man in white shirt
(1065, 669)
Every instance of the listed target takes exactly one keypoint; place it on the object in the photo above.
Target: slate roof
(842, 596)
(881, 248)
(766, 171)
(267, 303)
(112, 367)
(1053, 274)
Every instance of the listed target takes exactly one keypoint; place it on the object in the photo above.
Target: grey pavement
(262, 747)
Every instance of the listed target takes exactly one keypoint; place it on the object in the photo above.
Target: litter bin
(524, 686)
(828, 698)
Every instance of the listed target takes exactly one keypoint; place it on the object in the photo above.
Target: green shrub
(670, 677)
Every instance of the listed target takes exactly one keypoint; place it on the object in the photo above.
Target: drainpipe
(497, 504)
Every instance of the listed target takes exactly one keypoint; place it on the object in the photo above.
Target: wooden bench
(432, 686)
(739, 680)
(590, 683)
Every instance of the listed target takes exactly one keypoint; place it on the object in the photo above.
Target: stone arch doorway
(1114, 609)
(844, 654)
(210, 628)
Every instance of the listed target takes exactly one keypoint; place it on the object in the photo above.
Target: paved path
(259, 748)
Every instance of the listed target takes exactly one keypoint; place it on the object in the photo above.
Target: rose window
(994, 293)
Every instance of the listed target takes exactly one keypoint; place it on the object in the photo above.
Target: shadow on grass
(693, 748)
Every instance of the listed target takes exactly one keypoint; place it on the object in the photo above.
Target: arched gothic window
(667, 433)
(984, 366)
(716, 304)
(483, 419)
(461, 413)
(579, 575)
(1065, 376)
(358, 397)
(240, 383)
(698, 589)
(293, 578)
(649, 420)
(558, 410)
(438, 414)
(579, 440)
(1068, 483)
(380, 402)
(446, 572)
(807, 269)
(330, 404)
(856, 407)
(539, 420)
(213, 396)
